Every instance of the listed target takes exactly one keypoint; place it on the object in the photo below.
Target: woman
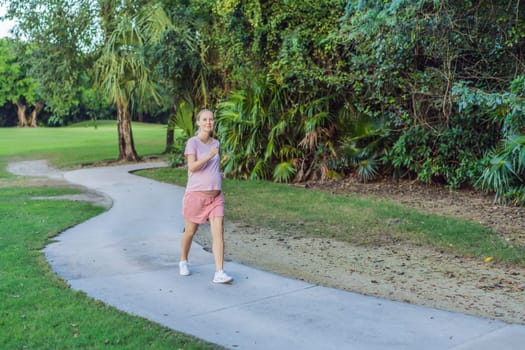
(203, 199)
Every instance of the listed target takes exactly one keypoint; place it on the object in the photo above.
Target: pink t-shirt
(209, 176)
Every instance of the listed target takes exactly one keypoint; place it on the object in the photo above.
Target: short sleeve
(191, 147)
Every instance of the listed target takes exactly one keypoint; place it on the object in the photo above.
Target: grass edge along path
(37, 308)
(358, 220)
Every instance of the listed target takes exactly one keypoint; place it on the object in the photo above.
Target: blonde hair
(204, 110)
(198, 117)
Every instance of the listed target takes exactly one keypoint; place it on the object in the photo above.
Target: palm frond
(259, 171)
(367, 169)
(154, 22)
(184, 119)
(122, 71)
(283, 172)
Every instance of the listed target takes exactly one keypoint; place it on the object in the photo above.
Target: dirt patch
(397, 270)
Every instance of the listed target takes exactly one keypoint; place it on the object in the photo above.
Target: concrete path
(128, 258)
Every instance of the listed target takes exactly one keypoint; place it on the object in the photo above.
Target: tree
(183, 64)
(58, 40)
(17, 87)
(71, 37)
(122, 71)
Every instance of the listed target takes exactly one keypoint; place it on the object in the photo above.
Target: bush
(452, 156)
(504, 171)
(175, 158)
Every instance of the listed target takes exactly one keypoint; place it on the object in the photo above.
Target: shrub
(504, 172)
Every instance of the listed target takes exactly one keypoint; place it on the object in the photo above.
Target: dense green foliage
(399, 64)
(425, 89)
(504, 170)
(372, 88)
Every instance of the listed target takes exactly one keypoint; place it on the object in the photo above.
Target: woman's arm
(195, 165)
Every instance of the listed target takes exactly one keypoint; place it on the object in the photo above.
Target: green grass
(37, 309)
(359, 220)
(78, 144)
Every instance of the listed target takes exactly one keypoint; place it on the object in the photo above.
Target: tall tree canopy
(304, 89)
(106, 37)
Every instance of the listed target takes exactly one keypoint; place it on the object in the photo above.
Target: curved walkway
(128, 257)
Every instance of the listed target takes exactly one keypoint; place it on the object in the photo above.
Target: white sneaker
(184, 268)
(222, 277)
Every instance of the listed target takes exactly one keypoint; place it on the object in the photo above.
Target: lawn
(78, 144)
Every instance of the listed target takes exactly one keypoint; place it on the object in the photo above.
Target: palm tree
(122, 71)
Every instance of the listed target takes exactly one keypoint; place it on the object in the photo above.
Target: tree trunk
(38, 107)
(170, 139)
(170, 134)
(125, 135)
(21, 112)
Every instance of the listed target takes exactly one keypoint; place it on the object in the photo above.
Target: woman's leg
(217, 236)
(190, 229)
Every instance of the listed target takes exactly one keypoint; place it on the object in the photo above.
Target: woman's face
(206, 121)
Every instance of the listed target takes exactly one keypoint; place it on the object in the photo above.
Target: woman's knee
(190, 228)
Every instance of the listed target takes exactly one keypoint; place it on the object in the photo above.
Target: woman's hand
(213, 152)
(195, 164)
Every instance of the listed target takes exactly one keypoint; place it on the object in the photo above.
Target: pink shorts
(198, 207)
